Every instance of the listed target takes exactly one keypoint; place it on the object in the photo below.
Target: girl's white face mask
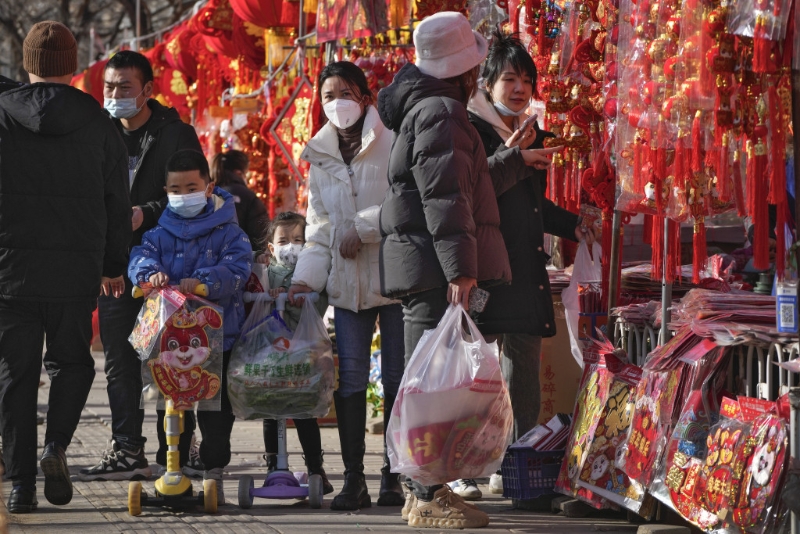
(286, 255)
(342, 112)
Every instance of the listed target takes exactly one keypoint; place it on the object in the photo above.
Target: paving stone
(101, 507)
(662, 529)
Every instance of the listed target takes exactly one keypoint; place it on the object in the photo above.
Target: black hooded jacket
(439, 219)
(166, 134)
(64, 209)
(525, 306)
(250, 211)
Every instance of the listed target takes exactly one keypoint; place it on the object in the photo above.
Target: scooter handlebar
(201, 290)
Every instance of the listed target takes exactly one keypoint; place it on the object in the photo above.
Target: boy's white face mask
(286, 255)
(189, 205)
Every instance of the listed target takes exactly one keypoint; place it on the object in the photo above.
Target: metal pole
(666, 290)
(301, 44)
(138, 24)
(795, 392)
(613, 269)
(91, 45)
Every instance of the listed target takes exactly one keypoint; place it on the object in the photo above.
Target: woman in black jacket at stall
(439, 219)
(228, 170)
(520, 314)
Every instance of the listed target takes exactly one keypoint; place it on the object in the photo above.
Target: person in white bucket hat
(439, 220)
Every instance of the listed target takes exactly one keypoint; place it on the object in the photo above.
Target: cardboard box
(559, 373)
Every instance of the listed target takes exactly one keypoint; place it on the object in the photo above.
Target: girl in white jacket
(347, 182)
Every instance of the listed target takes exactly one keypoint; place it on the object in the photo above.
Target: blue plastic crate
(528, 474)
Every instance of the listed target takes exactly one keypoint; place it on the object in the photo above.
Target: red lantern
(215, 23)
(249, 42)
(264, 13)
(91, 80)
(178, 51)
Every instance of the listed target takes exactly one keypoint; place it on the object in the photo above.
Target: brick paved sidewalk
(102, 506)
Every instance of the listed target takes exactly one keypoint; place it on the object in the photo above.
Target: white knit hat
(446, 46)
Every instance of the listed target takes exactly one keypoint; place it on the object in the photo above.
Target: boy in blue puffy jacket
(198, 241)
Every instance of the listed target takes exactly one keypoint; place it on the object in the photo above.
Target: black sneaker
(22, 500)
(57, 484)
(194, 466)
(118, 464)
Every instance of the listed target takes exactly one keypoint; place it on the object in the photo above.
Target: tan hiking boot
(411, 500)
(446, 511)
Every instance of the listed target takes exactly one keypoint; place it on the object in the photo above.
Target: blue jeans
(354, 339)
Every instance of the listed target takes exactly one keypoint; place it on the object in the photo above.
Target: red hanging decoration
(657, 244)
(756, 179)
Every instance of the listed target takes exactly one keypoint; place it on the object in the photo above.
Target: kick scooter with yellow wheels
(173, 489)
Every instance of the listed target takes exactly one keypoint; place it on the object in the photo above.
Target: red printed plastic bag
(454, 370)
(179, 338)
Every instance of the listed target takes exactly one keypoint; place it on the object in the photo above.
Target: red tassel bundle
(761, 42)
(660, 164)
(723, 170)
(738, 191)
(673, 264)
(657, 244)
(700, 250)
(777, 164)
(756, 185)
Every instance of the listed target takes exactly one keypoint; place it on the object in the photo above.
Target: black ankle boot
(314, 466)
(272, 461)
(391, 493)
(351, 414)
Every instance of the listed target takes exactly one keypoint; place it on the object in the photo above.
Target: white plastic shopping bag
(452, 418)
(587, 268)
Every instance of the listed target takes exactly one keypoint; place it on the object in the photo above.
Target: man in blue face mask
(152, 134)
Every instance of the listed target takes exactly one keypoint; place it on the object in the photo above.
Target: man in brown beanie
(64, 226)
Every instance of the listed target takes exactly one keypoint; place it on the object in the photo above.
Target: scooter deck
(281, 485)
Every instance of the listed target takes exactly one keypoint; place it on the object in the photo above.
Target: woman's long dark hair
(225, 164)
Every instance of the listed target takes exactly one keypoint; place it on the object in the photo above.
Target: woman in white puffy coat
(349, 159)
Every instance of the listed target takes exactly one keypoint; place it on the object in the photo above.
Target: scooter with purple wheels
(280, 483)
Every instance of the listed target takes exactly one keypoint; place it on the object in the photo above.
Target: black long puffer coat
(439, 219)
(525, 306)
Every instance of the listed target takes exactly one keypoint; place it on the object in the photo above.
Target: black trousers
(422, 311)
(124, 374)
(66, 328)
(307, 432)
(215, 427)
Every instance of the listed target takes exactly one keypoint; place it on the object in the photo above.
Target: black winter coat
(439, 219)
(525, 306)
(250, 211)
(65, 217)
(166, 134)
